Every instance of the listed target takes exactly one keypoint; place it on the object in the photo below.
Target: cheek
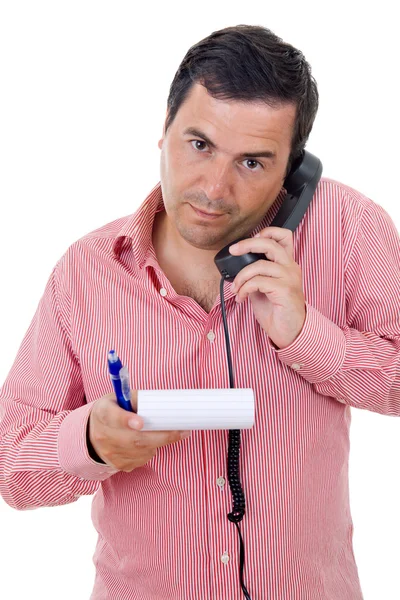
(184, 170)
(177, 179)
(177, 164)
(259, 199)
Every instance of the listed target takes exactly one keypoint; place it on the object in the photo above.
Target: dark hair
(249, 63)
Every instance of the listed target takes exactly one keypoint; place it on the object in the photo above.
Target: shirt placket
(222, 534)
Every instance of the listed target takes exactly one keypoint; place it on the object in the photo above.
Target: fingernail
(257, 235)
(133, 423)
(233, 247)
(185, 434)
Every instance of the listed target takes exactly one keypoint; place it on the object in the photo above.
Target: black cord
(239, 503)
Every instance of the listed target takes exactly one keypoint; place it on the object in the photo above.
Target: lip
(206, 215)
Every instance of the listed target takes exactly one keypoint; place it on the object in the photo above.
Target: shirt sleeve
(359, 364)
(44, 460)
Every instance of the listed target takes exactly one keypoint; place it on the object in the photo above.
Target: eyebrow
(262, 153)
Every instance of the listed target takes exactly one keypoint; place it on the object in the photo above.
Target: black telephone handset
(300, 185)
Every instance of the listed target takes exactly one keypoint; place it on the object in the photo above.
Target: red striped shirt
(163, 528)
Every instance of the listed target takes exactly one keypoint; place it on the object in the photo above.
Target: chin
(202, 240)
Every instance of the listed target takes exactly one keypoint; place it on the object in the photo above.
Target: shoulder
(349, 203)
(337, 193)
(94, 250)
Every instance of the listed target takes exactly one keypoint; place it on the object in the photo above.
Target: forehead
(236, 119)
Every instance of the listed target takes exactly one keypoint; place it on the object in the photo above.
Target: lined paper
(223, 408)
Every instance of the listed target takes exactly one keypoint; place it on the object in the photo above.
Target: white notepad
(223, 408)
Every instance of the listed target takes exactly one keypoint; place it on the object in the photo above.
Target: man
(313, 331)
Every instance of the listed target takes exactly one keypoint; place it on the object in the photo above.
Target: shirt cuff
(73, 454)
(319, 350)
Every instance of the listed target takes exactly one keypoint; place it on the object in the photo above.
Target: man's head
(239, 93)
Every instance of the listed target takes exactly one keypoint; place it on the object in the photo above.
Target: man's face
(222, 178)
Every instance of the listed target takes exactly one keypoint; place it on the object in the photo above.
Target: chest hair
(204, 292)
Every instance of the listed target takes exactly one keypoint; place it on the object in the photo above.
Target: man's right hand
(116, 437)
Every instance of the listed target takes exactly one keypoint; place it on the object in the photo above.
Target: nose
(217, 180)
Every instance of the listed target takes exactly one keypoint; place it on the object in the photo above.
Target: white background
(83, 96)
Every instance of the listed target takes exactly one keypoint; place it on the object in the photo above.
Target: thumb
(125, 418)
(135, 422)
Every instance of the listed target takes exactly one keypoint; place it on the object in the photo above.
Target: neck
(173, 249)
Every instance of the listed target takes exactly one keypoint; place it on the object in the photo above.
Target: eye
(197, 142)
(249, 160)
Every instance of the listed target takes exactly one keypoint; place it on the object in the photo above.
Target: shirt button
(297, 366)
(211, 336)
(221, 482)
(163, 292)
(225, 558)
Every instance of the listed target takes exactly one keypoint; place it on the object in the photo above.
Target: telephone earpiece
(300, 185)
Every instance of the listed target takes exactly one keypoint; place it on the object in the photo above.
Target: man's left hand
(274, 286)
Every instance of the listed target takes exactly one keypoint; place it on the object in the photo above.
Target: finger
(129, 442)
(272, 250)
(134, 397)
(260, 267)
(157, 439)
(281, 235)
(265, 285)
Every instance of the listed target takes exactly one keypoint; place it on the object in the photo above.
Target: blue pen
(120, 380)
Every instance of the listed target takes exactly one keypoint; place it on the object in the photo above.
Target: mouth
(206, 215)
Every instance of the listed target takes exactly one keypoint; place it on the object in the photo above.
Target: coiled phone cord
(239, 503)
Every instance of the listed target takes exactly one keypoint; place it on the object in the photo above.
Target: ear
(160, 142)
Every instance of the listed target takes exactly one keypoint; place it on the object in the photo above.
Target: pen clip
(125, 386)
